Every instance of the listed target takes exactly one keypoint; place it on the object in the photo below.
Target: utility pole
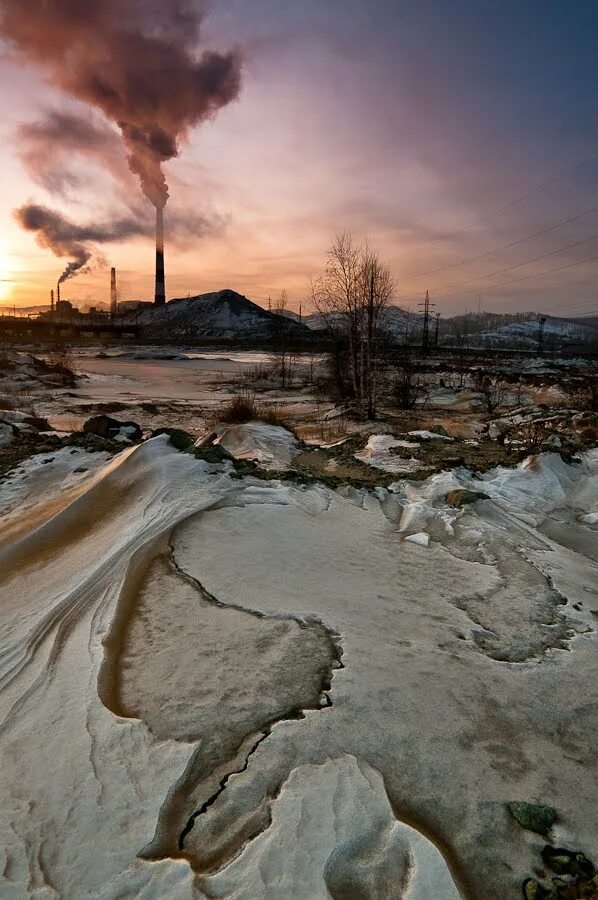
(269, 303)
(426, 330)
(300, 313)
(436, 331)
(541, 335)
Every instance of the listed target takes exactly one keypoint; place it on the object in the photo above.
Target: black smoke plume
(136, 62)
(55, 232)
(64, 238)
(48, 146)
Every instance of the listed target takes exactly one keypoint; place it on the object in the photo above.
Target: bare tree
(284, 359)
(351, 296)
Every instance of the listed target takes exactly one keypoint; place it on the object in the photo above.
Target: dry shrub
(60, 357)
(258, 372)
(241, 408)
(326, 432)
(245, 408)
(584, 394)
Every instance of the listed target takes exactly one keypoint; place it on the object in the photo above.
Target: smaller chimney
(52, 303)
(113, 305)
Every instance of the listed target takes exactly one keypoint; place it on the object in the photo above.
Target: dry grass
(245, 408)
(327, 432)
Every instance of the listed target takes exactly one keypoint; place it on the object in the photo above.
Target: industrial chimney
(160, 296)
(51, 303)
(112, 292)
(58, 295)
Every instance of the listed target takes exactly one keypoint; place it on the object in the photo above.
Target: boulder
(461, 496)
(21, 419)
(7, 433)
(113, 429)
(180, 439)
(533, 816)
(533, 890)
(567, 862)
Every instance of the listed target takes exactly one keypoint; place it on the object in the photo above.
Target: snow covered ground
(214, 686)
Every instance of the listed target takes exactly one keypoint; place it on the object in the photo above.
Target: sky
(461, 138)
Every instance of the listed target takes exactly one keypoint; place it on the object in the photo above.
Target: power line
(554, 179)
(497, 210)
(578, 262)
(526, 262)
(529, 237)
(579, 304)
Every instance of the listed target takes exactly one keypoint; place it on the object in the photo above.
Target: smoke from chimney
(65, 238)
(137, 63)
(160, 294)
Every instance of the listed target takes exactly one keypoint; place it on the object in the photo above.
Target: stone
(215, 454)
(180, 439)
(567, 862)
(453, 461)
(461, 496)
(533, 890)
(107, 427)
(420, 538)
(533, 816)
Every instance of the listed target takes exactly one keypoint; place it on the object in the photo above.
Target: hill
(220, 314)
(395, 319)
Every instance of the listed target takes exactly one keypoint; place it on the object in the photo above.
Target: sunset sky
(442, 130)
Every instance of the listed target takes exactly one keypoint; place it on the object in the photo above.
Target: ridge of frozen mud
(157, 617)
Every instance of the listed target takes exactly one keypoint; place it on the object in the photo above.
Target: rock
(180, 439)
(533, 890)
(425, 435)
(90, 442)
(15, 417)
(212, 454)
(567, 862)
(461, 496)
(533, 816)
(420, 538)
(7, 433)
(452, 461)
(107, 427)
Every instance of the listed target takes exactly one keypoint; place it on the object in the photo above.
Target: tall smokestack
(58, 293)
(160, 297)
(112, 292)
